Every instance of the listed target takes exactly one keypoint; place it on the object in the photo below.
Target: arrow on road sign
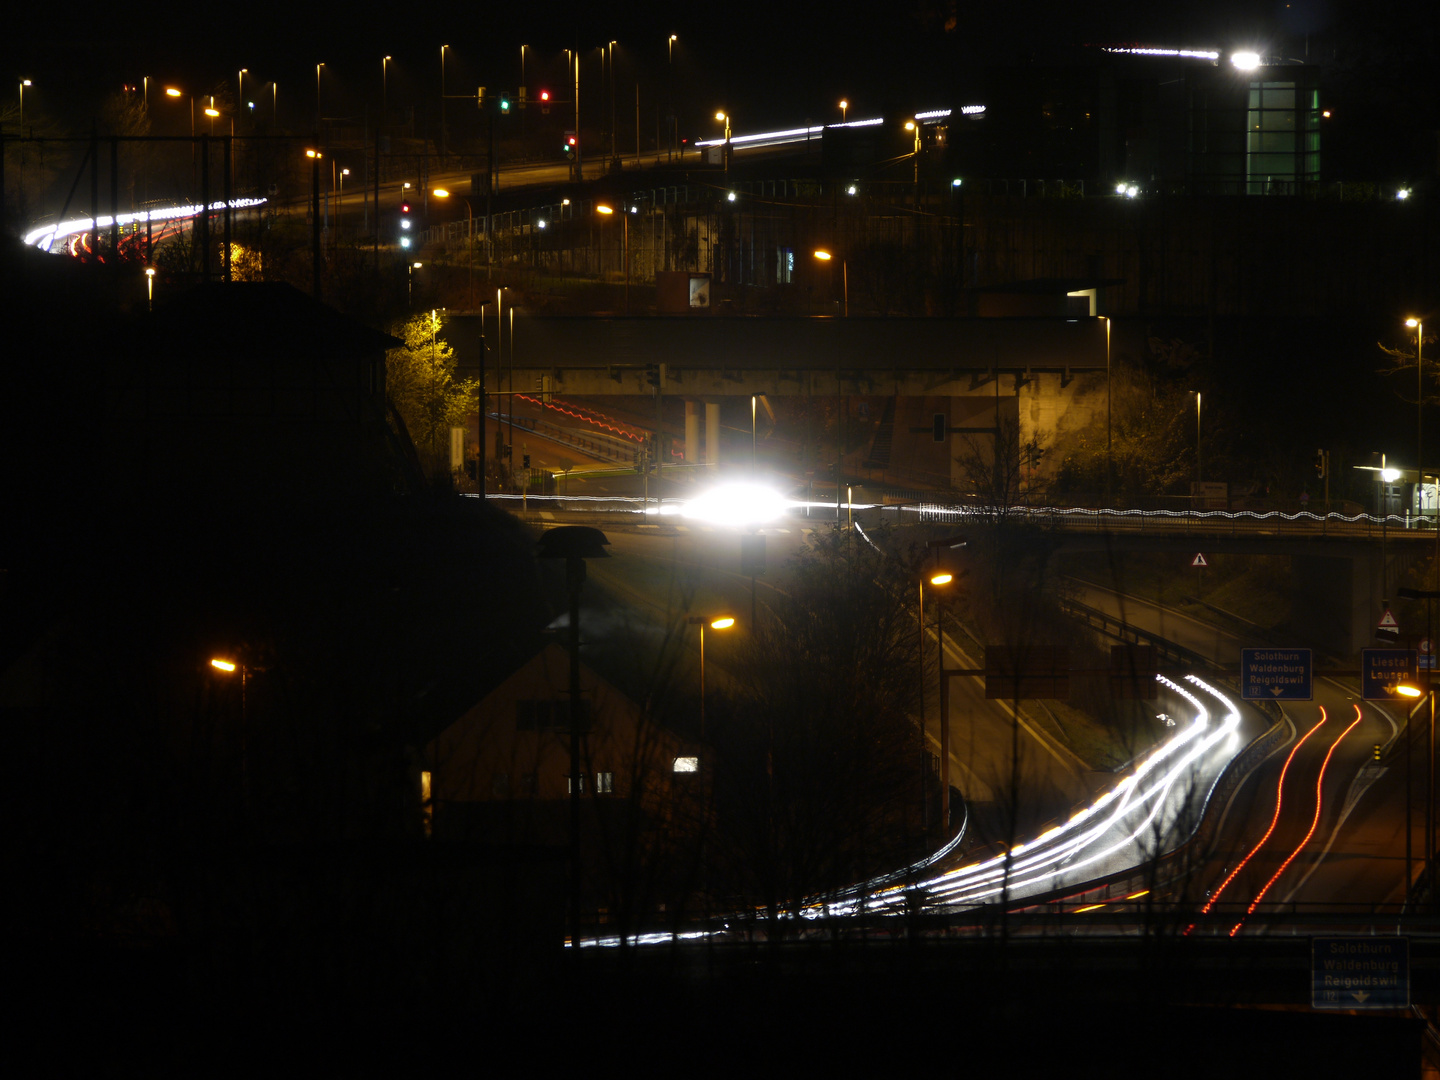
(1360, 996)
(1199, 559)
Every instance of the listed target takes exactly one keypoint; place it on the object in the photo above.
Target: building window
(687, 764)
(938, 426)
(784, 266)
(604, 783)
(570, 784)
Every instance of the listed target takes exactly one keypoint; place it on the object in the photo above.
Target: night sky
(776, 63)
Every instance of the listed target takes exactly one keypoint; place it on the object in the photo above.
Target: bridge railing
(1198, 522)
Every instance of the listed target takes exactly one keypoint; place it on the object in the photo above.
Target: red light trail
(1279, 793)
(1314, 823)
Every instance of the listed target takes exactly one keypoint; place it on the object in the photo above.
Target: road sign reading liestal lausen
(1276, 675)
(1381, 670)
(1360, 973)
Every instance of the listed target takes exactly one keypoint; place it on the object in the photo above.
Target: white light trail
(1053, 853)
(1192, 54)
(46, 236)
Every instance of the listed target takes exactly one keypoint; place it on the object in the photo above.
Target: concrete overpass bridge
(947, 377)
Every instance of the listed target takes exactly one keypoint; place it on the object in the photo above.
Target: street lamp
(1418, 325)
(442, 99)
(229, 667)
(938, 580)
(825, 256)
(1412, 691)
(23, 83)
(844, 106)
(725, 117)
(601, 208)
(715, 622)
(410, 283)
(150, 286)
(317, 98)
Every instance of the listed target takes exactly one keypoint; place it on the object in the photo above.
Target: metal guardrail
(1164, 649)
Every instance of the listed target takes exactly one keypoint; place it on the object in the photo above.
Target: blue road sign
(1276, 675)
(1360, 973)
(1381, 670)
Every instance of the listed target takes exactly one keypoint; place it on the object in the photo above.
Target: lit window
(784, 266)
(604, 783)
(570, 785)
(687, 764)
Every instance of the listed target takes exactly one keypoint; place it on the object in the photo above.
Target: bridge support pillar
(712, 435)
(692, 432)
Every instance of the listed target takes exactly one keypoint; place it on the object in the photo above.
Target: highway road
(1319, 823)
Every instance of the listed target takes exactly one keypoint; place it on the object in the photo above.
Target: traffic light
(1375, 755)
(1320, 463)
(505, 103)
(545, 102)
(655, 376)
(407, 224)
(572, 144)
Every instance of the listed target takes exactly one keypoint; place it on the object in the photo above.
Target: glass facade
(1282, 137)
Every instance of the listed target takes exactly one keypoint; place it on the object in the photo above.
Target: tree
(1399, 366)
(420, 379)
(817, 783)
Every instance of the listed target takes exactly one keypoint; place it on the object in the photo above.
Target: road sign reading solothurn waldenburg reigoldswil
(1360, 973)
(1276, 675)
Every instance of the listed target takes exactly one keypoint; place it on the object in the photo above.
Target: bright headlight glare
(737, 504)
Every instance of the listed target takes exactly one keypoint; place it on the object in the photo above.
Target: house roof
(245, 318)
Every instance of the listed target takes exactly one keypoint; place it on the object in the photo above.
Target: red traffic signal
(544, 95)
(404, 207)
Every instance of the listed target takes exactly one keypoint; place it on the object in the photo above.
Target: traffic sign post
(1360, 973)
(1277, 674)
(1199, 563)
(1381, 670)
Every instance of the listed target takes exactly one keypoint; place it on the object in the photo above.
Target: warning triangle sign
(1387, 622)
(1199, 559)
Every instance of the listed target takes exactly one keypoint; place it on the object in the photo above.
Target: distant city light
(850, 190)
(955, 182)
(1403, 194)
(1245, 61)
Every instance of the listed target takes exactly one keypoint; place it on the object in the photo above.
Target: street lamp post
(1418, 326)
(23, 84)
(825, 256)
(938, 580)
(625, 218)
(1428, 694)
(724, 116)
(443, 193)
(844, 107)
(715, 622)
(150, 286)
(442, 100)
(228, 667)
